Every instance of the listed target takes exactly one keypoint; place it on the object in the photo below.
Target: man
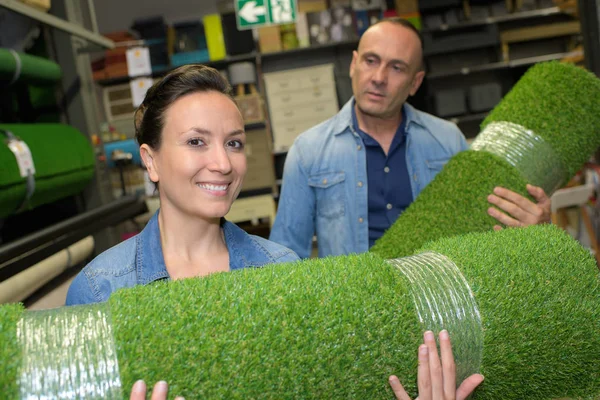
(349, 178)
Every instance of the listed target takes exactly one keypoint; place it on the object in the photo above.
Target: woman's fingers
(160, 391)
(448, 365)
(435, 367)
(468, 386)
(398, 389)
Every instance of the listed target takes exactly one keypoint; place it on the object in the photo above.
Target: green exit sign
(256, 13)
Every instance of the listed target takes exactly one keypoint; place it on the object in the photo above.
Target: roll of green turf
(64, 163)
(560, 104)
(337, 327)
(21, 67)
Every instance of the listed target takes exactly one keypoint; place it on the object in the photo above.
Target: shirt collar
(342, 122)
(150, 261)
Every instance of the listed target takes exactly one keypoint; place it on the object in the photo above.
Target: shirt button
(389, 206)
(360, 184)
(415, 177)
(360, 220)
(386, 169)
(324, 181)
(358, 147)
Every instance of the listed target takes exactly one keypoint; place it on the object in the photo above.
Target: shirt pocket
(436, 165)
(329, 192)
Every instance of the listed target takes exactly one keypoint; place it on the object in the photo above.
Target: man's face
(386, 69)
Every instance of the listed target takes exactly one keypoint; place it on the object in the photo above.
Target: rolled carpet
(63, 159)
(521, 306)
(21, 67)
(541, 133)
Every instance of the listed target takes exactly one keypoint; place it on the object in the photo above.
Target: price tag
(23, 155)
(138, 61)
(139, 87)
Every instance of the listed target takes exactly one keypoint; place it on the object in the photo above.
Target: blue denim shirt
(139, 261)
(325, 180)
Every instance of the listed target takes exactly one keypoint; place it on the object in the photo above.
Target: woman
(191, 137)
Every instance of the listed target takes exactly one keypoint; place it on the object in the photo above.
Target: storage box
(269, 39)
(42, 5)
(307, 6)
(251, 107)
(215, 40)
(407, 6)
(450, 103)
(260, 173)
(484, 97)
(451, 41)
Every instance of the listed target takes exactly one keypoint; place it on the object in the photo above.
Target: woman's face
(201, 162)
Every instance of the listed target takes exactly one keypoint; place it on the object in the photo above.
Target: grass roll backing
(64, 163)
(559, 102)
(33, 69)
(337, 327)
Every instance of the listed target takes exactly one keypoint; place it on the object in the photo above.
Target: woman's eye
(236, 144)
(195, 142)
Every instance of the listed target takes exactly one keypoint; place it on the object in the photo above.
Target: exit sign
(256, 13)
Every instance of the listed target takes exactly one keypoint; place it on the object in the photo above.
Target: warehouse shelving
(58, 23)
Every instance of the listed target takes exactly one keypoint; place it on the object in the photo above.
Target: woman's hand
(160, 391)
(437, 380)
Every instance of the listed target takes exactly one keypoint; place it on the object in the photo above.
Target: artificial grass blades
(559, 102)
(337, 327)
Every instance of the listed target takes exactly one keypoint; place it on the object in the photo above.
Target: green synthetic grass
(452, 204)
(33, 69)
(538, 292)
(337, 327)
(10, 354)
(559, 102)
(64, 162)
(326, 328)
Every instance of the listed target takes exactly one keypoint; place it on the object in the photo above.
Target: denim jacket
(325, 180)
(140, 261)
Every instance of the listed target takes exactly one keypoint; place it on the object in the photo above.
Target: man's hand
(160, 391)
(518, 210)
(436, 380)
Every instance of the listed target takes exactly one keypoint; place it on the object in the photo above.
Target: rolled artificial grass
(29, 69)
(559, 103)
(338, 327)
(64, 164)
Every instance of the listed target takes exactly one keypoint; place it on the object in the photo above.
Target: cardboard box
(407, 6)
(251, 107)
(269, 39)
(307, 6)
(260, 173)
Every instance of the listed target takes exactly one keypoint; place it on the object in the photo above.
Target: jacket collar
(244, 251)
(342, 122)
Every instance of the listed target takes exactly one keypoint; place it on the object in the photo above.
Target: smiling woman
(191, 137)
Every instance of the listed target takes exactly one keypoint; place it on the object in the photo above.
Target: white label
(138, 61)
(139, 87)
(23, 155)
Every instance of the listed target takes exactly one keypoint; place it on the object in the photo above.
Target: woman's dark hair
(149, 117)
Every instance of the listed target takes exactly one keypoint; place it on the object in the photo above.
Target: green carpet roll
(27, 68)
(64, 163)
(337, 327)
(558, 105)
